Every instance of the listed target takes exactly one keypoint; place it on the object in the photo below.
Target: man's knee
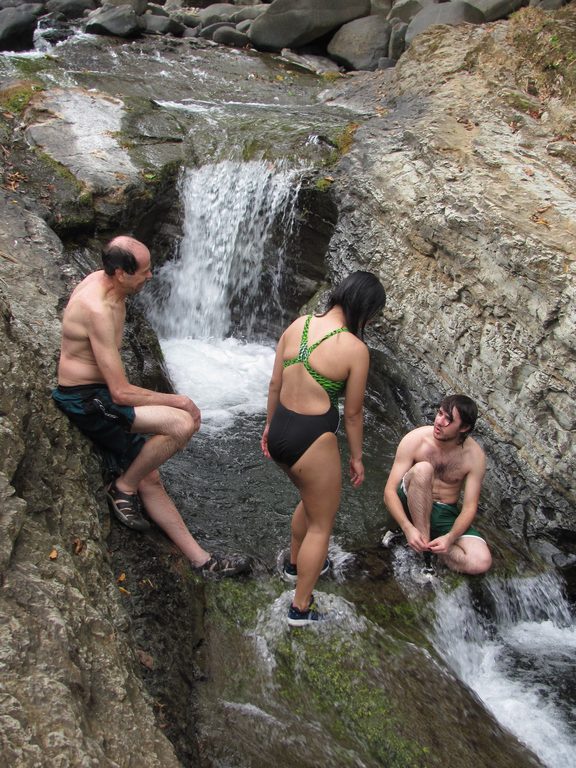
(422, 473)
(481, 563)
(183, 429)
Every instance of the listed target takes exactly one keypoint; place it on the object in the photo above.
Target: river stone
(496, 9)
(293, 23)
(381, 6)
(139, 6)
(162, 25)
(208, 31)
(217, 12)
(251, 13)
(361, 43)
(231, 36)
(17, 26)
(453, 13)
(397, 39)
(71, 9)
(120, 22)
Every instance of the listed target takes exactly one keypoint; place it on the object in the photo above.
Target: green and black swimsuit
(291, 433)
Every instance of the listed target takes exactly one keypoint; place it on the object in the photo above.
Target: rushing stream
(514, 647)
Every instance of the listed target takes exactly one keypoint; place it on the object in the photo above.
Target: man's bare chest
(449, 467)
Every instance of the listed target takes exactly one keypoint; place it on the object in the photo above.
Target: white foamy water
(225, 377)
(511, 664)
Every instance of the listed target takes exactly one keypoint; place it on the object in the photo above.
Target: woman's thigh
(318, 477)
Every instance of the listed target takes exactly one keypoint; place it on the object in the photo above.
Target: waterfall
(227, 255)
(517, 654)
(225, 280)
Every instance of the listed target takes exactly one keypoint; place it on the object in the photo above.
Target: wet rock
(121, 22)
(231, 36)
(293, 23)
(162, 25)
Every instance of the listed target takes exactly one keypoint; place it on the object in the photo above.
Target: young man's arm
(102, 336)
(403, 461)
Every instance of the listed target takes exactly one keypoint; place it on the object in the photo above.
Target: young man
(96, 395)
(431, 467)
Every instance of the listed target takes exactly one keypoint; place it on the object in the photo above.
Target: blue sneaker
(290, 571)
(298, 618)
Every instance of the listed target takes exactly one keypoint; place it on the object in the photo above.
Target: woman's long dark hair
(361, 296)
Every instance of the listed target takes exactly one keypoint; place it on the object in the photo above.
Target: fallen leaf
(145, 658)
(124, 591)
(78, 546)
(121, 578)
(53, 554)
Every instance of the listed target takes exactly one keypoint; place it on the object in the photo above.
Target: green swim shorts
(442, 519)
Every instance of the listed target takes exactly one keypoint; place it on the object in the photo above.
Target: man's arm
(470, 500)
(403, 461)
(102, 337)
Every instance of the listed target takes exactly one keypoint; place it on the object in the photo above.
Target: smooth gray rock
(217, 12)
(453, 13)
(252, 12)
(209, 30)
(293, 23)
(161, 25)
(120, 22)
(231, 36)
(361, 43)
(397, 39)
(496, 9)
(71, 9)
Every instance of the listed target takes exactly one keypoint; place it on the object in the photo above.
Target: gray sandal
(126, 507)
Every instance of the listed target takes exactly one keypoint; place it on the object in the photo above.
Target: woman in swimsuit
(317, 357)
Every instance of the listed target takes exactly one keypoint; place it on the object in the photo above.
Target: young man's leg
(418, 484)
(470, 554)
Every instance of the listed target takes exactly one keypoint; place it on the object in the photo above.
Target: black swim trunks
(291, 434)
(91, 409)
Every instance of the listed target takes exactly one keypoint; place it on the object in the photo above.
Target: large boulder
(454, 13)
(17, 26)
(361, 43)
(71, 9)
(496, 9)
(120, 21)
(294, 23)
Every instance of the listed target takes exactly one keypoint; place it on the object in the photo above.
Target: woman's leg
(318, 477)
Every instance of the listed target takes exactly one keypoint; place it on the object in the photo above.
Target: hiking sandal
(126, 507)
(224, 565)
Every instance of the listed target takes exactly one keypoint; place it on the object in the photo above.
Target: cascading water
(518, 657)
(226, 275)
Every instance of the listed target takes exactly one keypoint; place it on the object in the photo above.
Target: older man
(432, 466)
(96, 395)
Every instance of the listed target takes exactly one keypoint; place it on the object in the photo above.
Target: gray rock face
(361, 43)
(293, 23)
(70, 688)
(455, 199)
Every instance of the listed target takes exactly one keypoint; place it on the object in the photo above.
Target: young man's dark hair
(114, 258)
(465, 406)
